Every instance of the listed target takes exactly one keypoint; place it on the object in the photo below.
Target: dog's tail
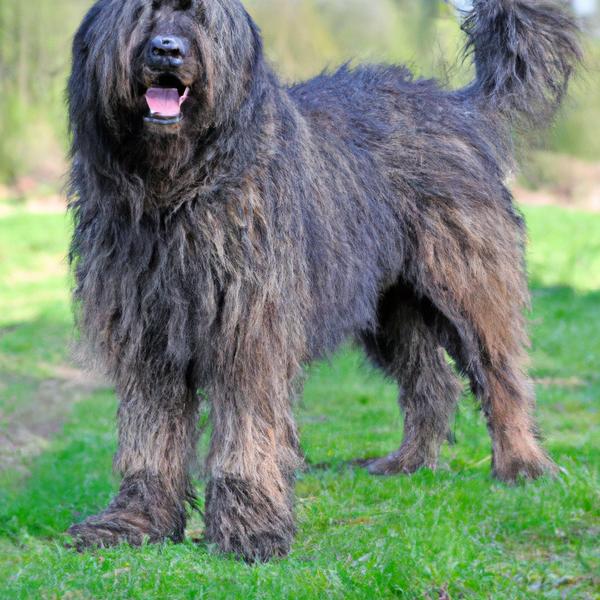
(524, 53)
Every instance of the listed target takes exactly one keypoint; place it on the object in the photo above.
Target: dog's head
(149, 68)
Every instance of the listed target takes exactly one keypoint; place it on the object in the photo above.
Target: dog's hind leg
(406, 346)
(507, 399)
(157, 439)
(472, 270)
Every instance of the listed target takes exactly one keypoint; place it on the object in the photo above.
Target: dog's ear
(80, 42)
(78, 80)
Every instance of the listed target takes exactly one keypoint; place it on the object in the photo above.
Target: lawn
(454, 533)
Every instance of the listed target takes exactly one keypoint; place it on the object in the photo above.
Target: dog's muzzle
(165, 97)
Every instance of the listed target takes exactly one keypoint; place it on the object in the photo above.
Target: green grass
(359, 537)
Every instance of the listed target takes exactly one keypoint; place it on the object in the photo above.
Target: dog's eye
(185, 4)
(155, 4)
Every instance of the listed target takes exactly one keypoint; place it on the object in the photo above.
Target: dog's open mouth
(165, 100)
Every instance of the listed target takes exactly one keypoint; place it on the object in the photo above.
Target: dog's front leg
(157, 439)
(251, 466)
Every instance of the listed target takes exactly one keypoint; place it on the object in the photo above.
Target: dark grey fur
(273, 224)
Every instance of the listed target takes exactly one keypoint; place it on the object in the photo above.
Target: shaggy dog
(230, 229)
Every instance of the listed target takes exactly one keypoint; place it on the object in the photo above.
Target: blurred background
(302, 38)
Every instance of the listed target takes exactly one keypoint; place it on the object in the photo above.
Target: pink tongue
(164, 101)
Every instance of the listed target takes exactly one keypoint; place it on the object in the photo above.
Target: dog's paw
(400, 462)
(113, 528)
(242, 519)
(519, 457)
(254, 548)
(516, 468)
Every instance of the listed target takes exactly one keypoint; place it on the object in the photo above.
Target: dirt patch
(26, 432)
(564, 382)
(47, 204)
(555, 197)
(34, 204)
(555, 179)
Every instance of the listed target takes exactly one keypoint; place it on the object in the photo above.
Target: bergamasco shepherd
(230, 229)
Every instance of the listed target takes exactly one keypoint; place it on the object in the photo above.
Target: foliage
(34, 57)
(303, 37)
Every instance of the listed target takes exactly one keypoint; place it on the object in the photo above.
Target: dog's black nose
(167, 51)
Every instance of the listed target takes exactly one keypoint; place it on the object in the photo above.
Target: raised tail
(524, 53)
